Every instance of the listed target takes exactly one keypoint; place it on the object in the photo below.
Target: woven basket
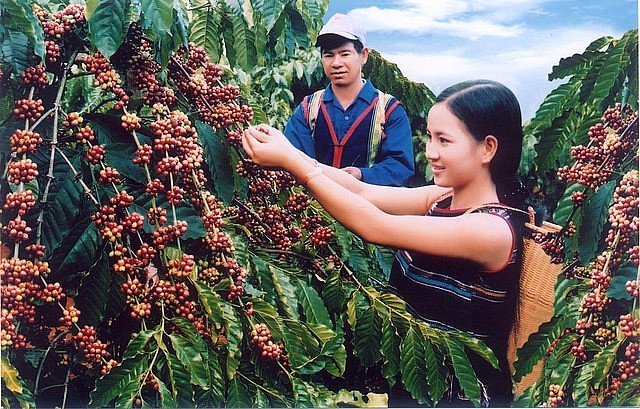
(536, 298)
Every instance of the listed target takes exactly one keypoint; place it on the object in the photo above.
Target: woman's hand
(268, 147)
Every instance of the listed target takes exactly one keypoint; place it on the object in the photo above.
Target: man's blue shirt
(394, 163)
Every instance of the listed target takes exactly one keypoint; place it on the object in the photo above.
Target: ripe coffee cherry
(22, 171)
(143, 155)
(69, 316)
(84, 134)
(95, 154)
(130, 122)
(181, 268)
(109, 176)
(321, 236)
(30, 109)
(556, 396)
(35, 76)
(72, 120)
(24, 141)
(23, 201)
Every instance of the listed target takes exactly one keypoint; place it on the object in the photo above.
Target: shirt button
(346, 117)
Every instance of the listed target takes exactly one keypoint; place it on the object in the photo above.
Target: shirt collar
(367, 93)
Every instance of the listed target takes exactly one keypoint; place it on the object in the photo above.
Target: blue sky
(516, 42)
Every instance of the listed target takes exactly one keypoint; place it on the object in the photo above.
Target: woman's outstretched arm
(482, 238)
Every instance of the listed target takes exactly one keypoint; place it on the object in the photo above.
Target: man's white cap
(344, 26)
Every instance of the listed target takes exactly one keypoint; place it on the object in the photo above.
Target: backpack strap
(310, 108)
(380, 114)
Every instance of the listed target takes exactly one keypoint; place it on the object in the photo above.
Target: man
(350, 124)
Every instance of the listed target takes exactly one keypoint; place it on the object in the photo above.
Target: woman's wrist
(311, 173)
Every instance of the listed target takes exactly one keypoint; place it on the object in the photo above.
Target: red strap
(387, 113)
(391, 108)
(338, 146)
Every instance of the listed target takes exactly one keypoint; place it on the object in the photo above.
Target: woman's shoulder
(434, 194)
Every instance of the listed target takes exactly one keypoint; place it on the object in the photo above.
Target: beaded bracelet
(315, 171)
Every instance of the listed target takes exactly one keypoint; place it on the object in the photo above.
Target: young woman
(458, 263)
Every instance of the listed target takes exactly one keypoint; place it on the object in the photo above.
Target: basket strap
(530, 212)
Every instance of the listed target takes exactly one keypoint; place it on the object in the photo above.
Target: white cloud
(467, 19)
(523, 69)
(516, 42)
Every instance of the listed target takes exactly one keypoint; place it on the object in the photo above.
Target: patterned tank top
(451, 293)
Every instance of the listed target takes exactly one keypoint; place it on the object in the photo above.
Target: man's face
(343, 65)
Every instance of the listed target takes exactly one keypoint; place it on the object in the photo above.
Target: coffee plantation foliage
(146, 262)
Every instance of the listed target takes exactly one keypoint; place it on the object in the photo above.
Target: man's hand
(353, 171)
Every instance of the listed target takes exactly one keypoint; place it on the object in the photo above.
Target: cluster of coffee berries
(30, 109)
(610, 143)
(281, 230)
(552, 244)
(321, 236)
(297, 203)
(629, 326)
(21, 202)
(263, 341)
(130, 122)
(623, 213)
(627, 368)
(35, 76)
(22, 290)
(181, 268)
(70, 316)
(57, 28)
(557, 397)
(199, 80)
(578, 350)
(594, 302)
(229, 267)
(176, 142)
(93, 350)
(106, 78)
(22, 171)
(633, 288)
(24, 141)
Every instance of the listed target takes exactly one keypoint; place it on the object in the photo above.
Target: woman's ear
(490, 147)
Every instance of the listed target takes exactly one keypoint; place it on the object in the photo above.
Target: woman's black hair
(489, 108)
(333, 41)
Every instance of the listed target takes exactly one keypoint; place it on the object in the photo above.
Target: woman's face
(343, 65)
(456, 157)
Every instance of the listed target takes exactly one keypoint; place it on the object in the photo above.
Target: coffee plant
(590, 346)
(147, 263)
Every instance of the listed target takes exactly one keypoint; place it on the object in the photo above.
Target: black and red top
(451, 293)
